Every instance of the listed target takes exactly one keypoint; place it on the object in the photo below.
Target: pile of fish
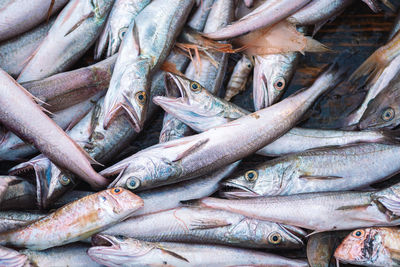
(68, 117)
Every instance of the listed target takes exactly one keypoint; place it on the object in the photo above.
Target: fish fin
(317, 177)
(192, 202)
(389, 5)
(50, 9)
(354, 207)
(73, 28)
(371, 68)
(170, 67)
(102, 42)
(208, 224)
(173, 254)
(391, 204)
(135, 35)
(313, 45)
(191, 149)
(373, 5)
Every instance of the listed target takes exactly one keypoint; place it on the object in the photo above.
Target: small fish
(80, 20)
(19, 16)
(34, 126)
(123, 251)
(265, 15)
(318, 170)
(376, 246)
(121, 15)
(15, 52)
(75, 221)
(209, 226)
(140, 54)
(238, 80)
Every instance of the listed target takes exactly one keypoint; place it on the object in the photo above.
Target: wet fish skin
(383, 111)
(15, 52)
(209, 226)
(75, 221)
(121, 15)
(238, 80)
(15, 219)
(319, 170)
(192, 156)
(272, 75)
(34, 126)
(396, 27)
(12, 258)
(199, 17)
(20, 194)
(80, 20)
(116, 251)
(146, 45)
(173, 129)
(65, 89)
(19, 16)
(326, 211)
(376, 246)
(14, 149)
(265, 15)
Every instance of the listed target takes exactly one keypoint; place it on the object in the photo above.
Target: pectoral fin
(318, 177)
(173, 254)
(208, 224)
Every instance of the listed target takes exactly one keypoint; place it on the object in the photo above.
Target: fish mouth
(115, 172)
(100, 240)
(233, 190)
(294, 232)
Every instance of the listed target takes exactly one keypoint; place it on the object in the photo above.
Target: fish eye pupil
(249, 66)
(275, 238)
(279, 84)
(117, 190)
(140, 97)
(132, 182)
(251, 175)
(358, 233)
(194, 86)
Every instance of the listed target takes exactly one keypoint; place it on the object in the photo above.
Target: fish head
(363, 246)
(140, 171)
(117, 250)
(382, 111)
(123, 202)
(272, 75)
(282, 236)
(190, 102)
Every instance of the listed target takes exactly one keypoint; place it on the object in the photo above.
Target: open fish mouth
(103, 241)
(115, 173)
(232, 190)
(294, 232)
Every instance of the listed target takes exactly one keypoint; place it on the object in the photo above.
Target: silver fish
(18, 16)
(146, 45)
(209, 226)
(17, 194)
(192, 156)
(117, 251)
(121, 15)
(238, 80)
(15, 219)
(319, 170)
(396, 27)
(15, 52)
(80, 20)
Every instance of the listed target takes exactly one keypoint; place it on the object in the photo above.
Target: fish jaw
(238, 191)
(128, 94)
(296, 234)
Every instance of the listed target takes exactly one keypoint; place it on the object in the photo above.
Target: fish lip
(170, 93)
(238, 186)
(296, 233)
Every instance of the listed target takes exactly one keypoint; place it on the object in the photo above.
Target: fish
(272, 76)
(396, 27)
(321, 247)
(173, 129)
(197, 21)
(209, 226)
(375, 246)
(14, 149)
(15, 52)
(238, 80)
(75, 221)
(68, 255)
(265, 15)
(14, 219)
(192, 156)
(33, 125)
(119, 250)
(79, 20)
(19, 16)
(383, 111)
(140, 54)
(319, 170)
(374, 88)
(19, 194)
(102, 145)
(322, 211)
(66, 89)
(203, 111)
(121, 15)
(319, 12)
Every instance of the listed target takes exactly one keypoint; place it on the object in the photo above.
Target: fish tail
(372, 67)
(313, 45)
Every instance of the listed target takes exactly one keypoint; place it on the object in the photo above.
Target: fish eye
(279, 84)
(251, 175)
(141, 98)
(195, 86)
(358, 233)
(122, 32)
(116, 191)
(274, 238)
(388, 114)
(132, 183)
(249, 66)
(64, 180)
